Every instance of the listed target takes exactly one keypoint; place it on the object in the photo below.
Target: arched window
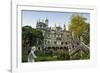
(61, 43)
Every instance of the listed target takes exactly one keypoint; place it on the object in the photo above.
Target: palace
(55, 37)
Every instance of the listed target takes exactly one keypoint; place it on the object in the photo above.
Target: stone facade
(55, 37)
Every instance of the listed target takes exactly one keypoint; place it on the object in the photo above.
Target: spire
(46, 18)
(37, 21)
(37, 24)
(42, 20)
(55, 24)
(46, 21)
(64, 27)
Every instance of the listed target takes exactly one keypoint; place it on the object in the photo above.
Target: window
(61, 43)
(48, 42)
(66, 43)
(73, 46)
(55, 42)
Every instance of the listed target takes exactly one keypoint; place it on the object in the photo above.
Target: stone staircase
(82, 47)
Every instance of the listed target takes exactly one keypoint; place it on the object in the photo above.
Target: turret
(64, 27)
(46, 21)
(37, 24)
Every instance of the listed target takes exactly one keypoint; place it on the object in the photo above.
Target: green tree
(26, 42)
(80, 30)
(86, 35)
(30, 37)
(37, 36)
(77, 25)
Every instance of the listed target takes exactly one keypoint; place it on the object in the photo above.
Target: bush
(24, 55)
(63, 56)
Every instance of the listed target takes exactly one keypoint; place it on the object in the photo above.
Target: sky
(30, 17)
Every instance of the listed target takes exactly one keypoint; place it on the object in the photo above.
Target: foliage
(77, 25)
(63, 56)
(39, 53)
(26, 41)
(85, 55)
(41, 56)
(60, 55)
(30, 37)
(86, 35)
(46, 58)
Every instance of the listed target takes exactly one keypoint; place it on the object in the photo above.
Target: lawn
(46, 58)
